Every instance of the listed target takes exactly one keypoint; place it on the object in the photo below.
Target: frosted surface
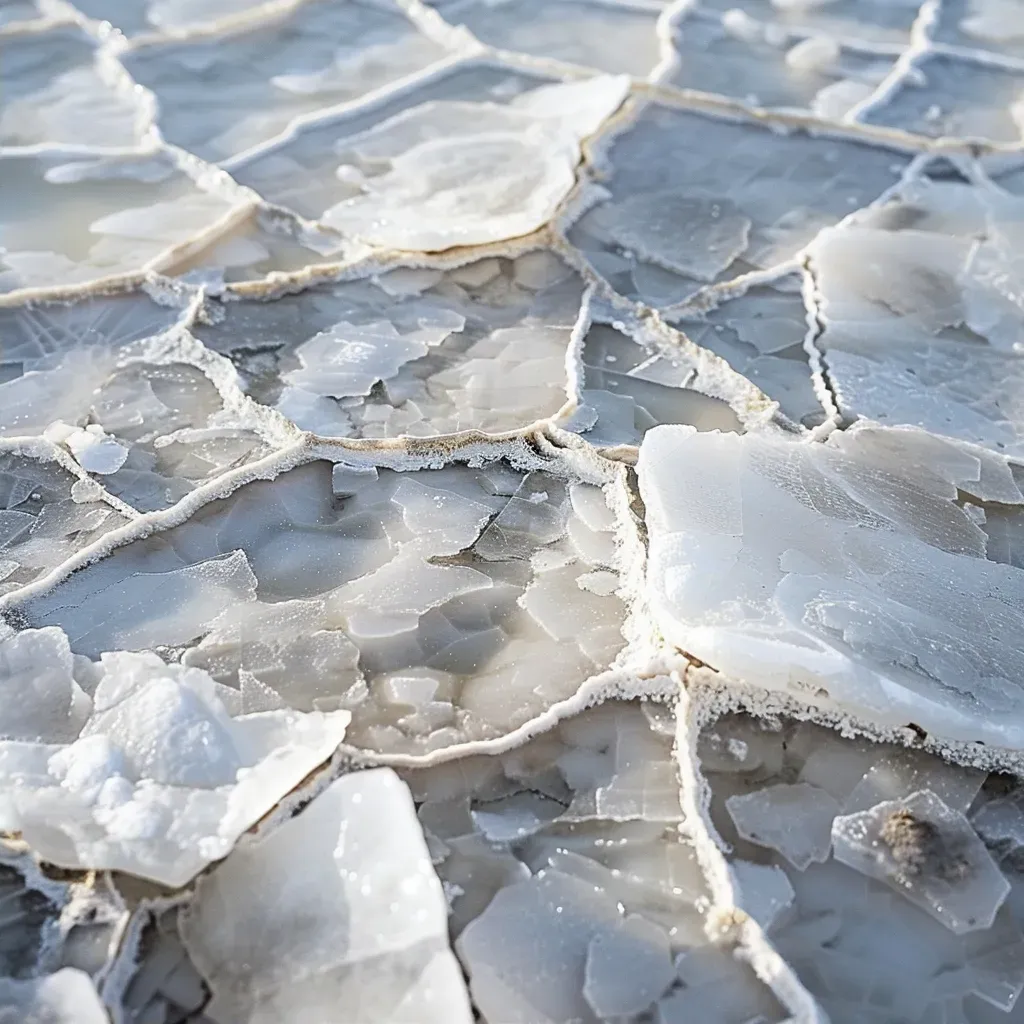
(511, 511)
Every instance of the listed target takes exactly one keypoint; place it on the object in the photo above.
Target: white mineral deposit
(511, 511)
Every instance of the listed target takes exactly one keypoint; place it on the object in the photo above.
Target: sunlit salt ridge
(511, 511)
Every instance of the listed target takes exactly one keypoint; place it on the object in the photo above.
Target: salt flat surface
(511, 511)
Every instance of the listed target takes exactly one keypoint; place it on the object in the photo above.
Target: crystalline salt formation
(511, 510)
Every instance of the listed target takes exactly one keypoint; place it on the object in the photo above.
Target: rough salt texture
(450, 451)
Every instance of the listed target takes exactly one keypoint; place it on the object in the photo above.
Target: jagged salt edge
(725, 693)
(39, 449)
(400, 454)
(378, 98)
(366, 266)
(669, 20)
(815, 320)
(713, 377)
(123, 966)
(16, 855)
(216, 178)
(726, 920)
(904, 70)
(814, 300)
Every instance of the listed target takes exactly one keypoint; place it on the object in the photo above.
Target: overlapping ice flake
(921, 312)
(877, 943)
(468, 173)
(80, 220)
(438, 606)
(45, 516)
(54, 91)
(470, 157)
(761, 335)
(480, 347)
(629, 388)
(694, 198)
(164, 985)
(103, 379)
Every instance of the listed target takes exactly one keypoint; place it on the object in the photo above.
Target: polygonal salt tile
(414, 352)
(920, 312)
(362, 925)
(982, 25)
(71, 220)
(394, 175)
(760, 334)
(619, 39)
(628, 388)
(694, 200)
(508, 828)
(766, 66)
(954, 97)
(55, 92)
(928, 853)
(45, 516)
(438, 606)
(252, 83)
(867, 21)
(850, 605)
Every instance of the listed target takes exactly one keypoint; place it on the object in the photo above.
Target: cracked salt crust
(677, 412)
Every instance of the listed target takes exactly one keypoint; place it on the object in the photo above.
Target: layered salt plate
(511, 511)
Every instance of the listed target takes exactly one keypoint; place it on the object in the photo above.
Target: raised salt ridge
(511, 511)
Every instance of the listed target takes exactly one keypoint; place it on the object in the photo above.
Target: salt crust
(461, 367)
